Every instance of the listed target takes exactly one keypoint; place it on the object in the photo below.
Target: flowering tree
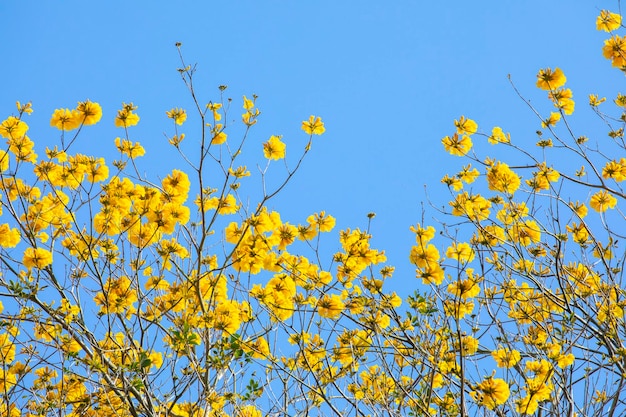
(123, 297)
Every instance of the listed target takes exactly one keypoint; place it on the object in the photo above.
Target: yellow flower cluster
(553, 81)
(251, 114)
(14, 130)
(71, 171)
(86, 113)
(460, 143)
(543, 177)
(126, 116)
(218, 136)
(425, 256)
(143, 213)
(357, 255)
(608, 21)
(501, 178)
(491, 392)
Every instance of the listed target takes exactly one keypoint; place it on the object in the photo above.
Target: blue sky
(388, 78)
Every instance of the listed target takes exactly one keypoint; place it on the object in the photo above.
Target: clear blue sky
(388, 78)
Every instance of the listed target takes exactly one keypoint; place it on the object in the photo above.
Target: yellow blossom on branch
(89, 112)
(498, 136)
(177, 115)
(491, 392)
(457, 145)
(65, 119)
(125, 117)
(595, 101)
(36, 258)
(461, 252)
(313, 126)
(615, 50)
(128, 148)
(330, 306)
(506, 358)
(465, 126)
(13, 128)
(274, 148)
(602, 200)
(501, 178)
(608, 21)
(549, 80)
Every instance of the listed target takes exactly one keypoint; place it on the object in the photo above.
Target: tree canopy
(184, 293)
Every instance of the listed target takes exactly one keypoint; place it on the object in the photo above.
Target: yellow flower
(178, 115)
(458, 308)
(176, 186)
(608, 21)
(118, 296)
(501, 178)
(286, 234)
(274, 148)
(527, 405)
(455, 183)
(506, 358)
(498, 136)
(541, 179)
(259, 349)
(457, 145)
(424, 255)
(565, 360)
(580, 234)
(321, 221)
(602, 200)
(226, 316)
(13, 127)
(552, 120)
(219, 138)
(465, 126)
(467, 288)
(476, 207)
(461, 252)
(595, 101)
(177, 139)
(89, 112)
(330, 306)
(615, 170)
(491, 392)
(468, 175)
(65, 119)
(423, 235)
(615, 49)
(156, 359)
(36, 258)
(470, 345)
(550, 80)
(562, 99)
(526, 232)
(126, 117)
(7, 349)
(128, 148)
(490, 235)
(247, 103)
(248, 411)
(9, 238)
(313, 126)
(4, 161)
(431, 274)
(620, 100)
(97, 170)
(24, 108)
